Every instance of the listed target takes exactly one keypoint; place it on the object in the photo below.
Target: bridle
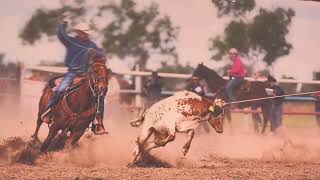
(95, 79)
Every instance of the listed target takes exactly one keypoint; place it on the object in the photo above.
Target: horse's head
(212, 78)
(98, 78)
(200, 71)
(216, 116)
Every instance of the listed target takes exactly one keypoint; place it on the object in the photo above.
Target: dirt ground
(218, 169)
(238, 153)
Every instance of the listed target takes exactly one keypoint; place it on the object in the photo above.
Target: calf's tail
(139, 119)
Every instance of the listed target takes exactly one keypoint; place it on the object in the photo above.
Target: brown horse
(247, 90)
(78, 106)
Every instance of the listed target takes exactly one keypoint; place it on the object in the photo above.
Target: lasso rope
(79, 45)
(272, 97)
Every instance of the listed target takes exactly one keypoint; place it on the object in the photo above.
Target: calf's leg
(161, 139)
(140, 144)
(171, 136)
(186, 147)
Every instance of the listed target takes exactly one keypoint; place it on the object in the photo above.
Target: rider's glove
(66, 17)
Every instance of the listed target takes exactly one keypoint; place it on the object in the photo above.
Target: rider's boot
(98, 129)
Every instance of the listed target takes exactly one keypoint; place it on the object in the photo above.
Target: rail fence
(34, 88)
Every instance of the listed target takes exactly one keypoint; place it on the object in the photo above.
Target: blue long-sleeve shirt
(77, 52)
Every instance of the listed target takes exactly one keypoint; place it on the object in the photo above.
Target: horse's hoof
(184, 151)
(130, 165)
(34, 138)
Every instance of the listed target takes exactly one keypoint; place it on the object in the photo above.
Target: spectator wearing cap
(256, 116)
(237, 74)
(194, 85)
(152, 89)
(276, 105)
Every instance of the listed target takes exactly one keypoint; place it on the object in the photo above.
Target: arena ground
(238, 153)
(221, 169)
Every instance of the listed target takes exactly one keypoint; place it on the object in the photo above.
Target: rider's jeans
(232, 84)
(101, 105)
(66, 81)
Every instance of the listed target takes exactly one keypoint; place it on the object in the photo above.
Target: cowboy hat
(233, 51)
(84, 27)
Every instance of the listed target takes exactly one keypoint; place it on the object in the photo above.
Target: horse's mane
(214, 80)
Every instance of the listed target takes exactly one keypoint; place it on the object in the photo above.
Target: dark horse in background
(78, 106)
(247, 90)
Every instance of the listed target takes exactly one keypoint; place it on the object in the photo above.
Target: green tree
(130, 32)
(268, 32)
(263, 37)
(234, 7)
(44, 22)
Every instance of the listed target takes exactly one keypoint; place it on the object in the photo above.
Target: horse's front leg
(74, 137)
(186, 147)
(54, 128)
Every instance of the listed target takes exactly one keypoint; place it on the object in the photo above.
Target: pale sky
(197, 21)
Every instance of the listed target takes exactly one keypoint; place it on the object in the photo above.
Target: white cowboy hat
(233, 51)
(84, 27)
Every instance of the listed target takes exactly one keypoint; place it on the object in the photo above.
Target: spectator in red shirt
(237, 73)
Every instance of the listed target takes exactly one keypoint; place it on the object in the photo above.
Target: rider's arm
(62, 34)
(98, 52)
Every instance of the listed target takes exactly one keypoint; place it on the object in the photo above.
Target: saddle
(56, 81)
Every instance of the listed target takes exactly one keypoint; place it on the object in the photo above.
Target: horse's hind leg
(228, 116)
(255, 119)
(47, 93)
(39, 123)
(53, 130)
(265, 111)
(186, 147)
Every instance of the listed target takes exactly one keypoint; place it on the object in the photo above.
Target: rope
(76, 44)
(273, 97)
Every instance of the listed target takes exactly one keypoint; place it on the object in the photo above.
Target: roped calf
(181, 112)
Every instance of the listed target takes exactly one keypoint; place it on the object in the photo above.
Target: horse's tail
(140, 118)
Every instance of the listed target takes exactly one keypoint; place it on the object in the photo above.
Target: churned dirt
(222, 169)
(238, 153)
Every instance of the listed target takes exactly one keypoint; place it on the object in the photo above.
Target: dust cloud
(115, 149)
